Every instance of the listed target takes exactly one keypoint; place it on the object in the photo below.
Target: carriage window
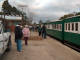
(60, 26)
(66, 26)
(76, 26)
(69, 26)
(53, 26)
(48, 26)
(57, 26)
(72, 26)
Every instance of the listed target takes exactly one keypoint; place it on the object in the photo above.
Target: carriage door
(1, 40)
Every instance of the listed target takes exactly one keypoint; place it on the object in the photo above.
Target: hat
(17, 25)
(21, 26)
(26, 25)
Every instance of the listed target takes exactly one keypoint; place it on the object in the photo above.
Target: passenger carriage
(67, 30)
(55, 29)
(72, 30)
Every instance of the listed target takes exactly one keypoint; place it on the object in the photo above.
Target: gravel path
(47, 49)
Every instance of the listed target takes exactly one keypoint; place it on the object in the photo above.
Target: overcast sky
(48, 9)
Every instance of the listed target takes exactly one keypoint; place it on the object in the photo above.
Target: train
(66, 30)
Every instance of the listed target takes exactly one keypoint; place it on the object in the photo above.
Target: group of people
(21, 32)
(24, 32)
(42, 31)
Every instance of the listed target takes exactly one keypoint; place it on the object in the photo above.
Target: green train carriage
(66, 30)
(55, 29)
(72, 30)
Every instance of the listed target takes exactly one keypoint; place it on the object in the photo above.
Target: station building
(11, 21)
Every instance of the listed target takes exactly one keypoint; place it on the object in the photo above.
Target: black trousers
(26, 40)
(39, 33)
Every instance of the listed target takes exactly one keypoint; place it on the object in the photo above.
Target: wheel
(9, 44)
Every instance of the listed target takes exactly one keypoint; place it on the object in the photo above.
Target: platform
(45, 49)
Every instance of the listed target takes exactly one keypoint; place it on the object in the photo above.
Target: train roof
(72, 17)
(78, 16)
(59, 21)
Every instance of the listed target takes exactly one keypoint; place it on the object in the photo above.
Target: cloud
(1, 2)
(58, 7)
(49, 8)
(53, 8)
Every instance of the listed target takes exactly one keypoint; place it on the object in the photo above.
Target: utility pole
(22, 7)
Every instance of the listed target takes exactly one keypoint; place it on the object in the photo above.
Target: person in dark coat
(44, 31)
(39, 30)
(18, 37)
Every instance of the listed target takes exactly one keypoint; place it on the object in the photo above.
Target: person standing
(18, 37)
(39, 30)
(44, 31)
(26, 33)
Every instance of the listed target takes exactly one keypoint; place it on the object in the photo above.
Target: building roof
(12, 17)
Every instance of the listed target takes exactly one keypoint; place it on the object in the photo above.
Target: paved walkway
(46, 49)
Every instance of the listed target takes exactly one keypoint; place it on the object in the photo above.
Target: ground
(45, 49)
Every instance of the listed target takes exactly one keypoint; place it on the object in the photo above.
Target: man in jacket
(44, 31)
(39, 30)
(18, 37)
